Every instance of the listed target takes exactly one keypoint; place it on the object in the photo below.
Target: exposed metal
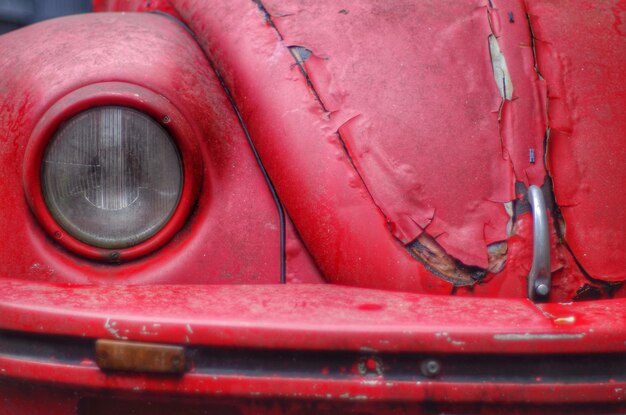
(444, 166)
(539, 275)
(500, 70)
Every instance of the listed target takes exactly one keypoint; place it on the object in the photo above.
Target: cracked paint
(581, 57)
(501, 74)
(399, 168)
(433, 162)
(426, 250)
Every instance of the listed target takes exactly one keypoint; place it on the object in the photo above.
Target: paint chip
(500, 71)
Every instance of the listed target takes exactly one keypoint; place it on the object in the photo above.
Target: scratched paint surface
(310, 316)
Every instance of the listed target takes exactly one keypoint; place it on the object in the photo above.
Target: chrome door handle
(539, 276)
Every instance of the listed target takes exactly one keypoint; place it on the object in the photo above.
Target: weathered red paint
(313, 317)
(232, 236)
(355, 214)
(403, 122)
(468, 195)
(581, 57)
(62, 401)
(303, 388)
(343, 228)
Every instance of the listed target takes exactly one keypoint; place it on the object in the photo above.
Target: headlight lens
(112, 177)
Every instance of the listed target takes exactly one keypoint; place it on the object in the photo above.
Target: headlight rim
(184, 134)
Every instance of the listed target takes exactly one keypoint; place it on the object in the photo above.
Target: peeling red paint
(403, 134)
(581, 56)
(358, 197)
(523, 118)
(362, 84)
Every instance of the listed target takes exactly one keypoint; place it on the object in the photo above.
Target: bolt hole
(430, 368)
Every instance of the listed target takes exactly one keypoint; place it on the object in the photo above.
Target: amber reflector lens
(111, 177)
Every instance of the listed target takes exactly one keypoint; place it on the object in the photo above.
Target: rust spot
(426, 250)
(588, 292)
(497, 254)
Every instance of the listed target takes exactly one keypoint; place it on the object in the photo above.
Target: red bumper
(319, 342)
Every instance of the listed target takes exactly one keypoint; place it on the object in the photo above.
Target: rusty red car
(279, 207)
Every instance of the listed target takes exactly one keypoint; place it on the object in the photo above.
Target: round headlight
(111, 177)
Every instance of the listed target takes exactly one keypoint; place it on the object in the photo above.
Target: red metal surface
(328, 202)
(364, 82)
(567, 278)
(338, 198)
(232, 234)
(302, 388)
(164, 6)
(581, 55)
(419, 118)
(310, 317)
(523, 117)
(65, 401)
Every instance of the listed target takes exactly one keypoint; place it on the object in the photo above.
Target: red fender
(229, 232)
